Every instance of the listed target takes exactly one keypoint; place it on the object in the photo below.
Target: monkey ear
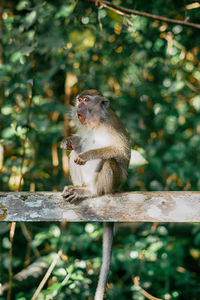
(104, 103)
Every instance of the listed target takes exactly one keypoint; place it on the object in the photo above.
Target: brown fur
(108, 178)
(90, 93)
(114, 158)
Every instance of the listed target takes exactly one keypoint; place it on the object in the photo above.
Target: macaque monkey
(99, 159)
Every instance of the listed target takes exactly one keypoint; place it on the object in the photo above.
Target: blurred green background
(50, 51)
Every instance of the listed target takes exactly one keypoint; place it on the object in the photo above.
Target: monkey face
(91, 109)
(82, 111)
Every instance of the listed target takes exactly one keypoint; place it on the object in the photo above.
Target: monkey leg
(73, 193)
(109, 176)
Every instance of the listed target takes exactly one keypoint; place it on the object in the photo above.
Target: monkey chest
(90, 169)
(95, 140)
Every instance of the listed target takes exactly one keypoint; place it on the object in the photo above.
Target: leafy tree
(51, 50)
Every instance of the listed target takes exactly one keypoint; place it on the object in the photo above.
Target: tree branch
(128, 11)
(119, 207)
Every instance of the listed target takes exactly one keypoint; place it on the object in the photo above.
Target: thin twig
(12, 232)
(13, 224)
(49, 297)
(1, 33)
(1, 55)
(142, 291)
(29, 239)
(66, 279)
(46, 276)
(100, 23)
(128, 11)
(29, 101)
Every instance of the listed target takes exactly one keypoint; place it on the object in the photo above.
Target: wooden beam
(124, 207)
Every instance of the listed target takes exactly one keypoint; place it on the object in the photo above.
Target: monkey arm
(101, 153)
(104, 153)
(71, 143)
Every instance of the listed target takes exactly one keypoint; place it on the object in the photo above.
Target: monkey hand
(67, 144)
(79, 160)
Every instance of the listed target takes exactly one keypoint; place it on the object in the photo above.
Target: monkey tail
(106, 260)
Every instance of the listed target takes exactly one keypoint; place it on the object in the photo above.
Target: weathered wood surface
(124, 207)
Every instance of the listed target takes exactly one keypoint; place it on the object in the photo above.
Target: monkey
(99, 159)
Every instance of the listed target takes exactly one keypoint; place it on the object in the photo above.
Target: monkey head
(91, 108)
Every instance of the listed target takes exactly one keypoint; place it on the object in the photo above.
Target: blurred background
(150, 70)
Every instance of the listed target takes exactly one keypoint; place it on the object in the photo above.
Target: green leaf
(114, 16)
(65, 11)
(23, 5)
(30, 19)
(82, 40)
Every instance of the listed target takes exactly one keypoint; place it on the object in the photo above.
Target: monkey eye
(85, 99)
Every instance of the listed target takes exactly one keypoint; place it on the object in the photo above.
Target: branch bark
(122, 207)
(128, 12)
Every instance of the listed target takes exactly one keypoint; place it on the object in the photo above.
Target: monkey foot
(72, 194)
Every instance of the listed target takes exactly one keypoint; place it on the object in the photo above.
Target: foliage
(166, 257)
(51, 50)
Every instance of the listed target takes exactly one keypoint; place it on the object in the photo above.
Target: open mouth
(81, 118)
